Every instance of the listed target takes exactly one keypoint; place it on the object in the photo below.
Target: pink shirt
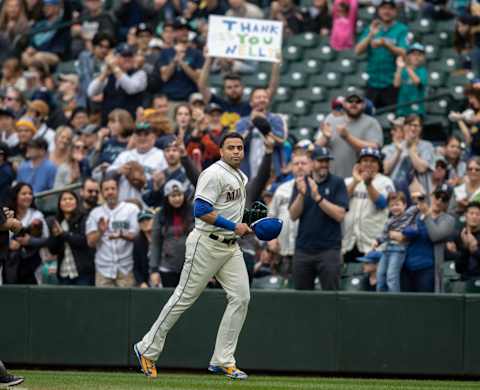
(343, 28)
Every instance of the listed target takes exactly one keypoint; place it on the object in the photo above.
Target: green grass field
(69, 380)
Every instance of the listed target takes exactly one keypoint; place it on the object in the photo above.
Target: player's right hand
(242, 229)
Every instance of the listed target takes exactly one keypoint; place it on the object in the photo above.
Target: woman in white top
(470, 189)
(24, 257)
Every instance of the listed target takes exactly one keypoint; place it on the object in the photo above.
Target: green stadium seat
(304, 40)
(302, 133)
(456, 92)
(460, 80)
(472, 287)
(216, 80)
(259, 79)
(295, 107)
(366, 13)
(312, 121)
(66, 67)
(355, 283)
(323, 53)
(350, 55)
(438, 107)
(437, 79)
(447, 26)
(455, 286)
(267, 67)
(449, 270)
(329, 80)
(422, 26)
(312, 94)
(350, 269)
(445, 38)
(358, 80)
(431, 52)
(385, 120)
(292, 53)
(322, 108)
(311, 66)
(293, 79)
(283, 94)
(343, 65)
(269, 283)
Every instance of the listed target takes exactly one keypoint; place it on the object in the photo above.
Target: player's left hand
(242, 229)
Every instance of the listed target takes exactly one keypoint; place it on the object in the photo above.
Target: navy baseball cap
(125, 50)
(370, 152)
(321, 153)
(267, 229)
(444, 189)
(144, 215)
(371, 257)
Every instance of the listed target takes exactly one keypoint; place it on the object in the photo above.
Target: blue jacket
(419, 253)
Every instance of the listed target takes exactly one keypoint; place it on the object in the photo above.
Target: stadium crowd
(117, 98)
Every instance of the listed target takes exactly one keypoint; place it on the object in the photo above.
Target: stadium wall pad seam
(317, 332)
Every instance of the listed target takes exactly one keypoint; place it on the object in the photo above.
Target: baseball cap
(89, 129)
(26, 122)
(51, 2)
(445, 190)
(391, 3)
(195, 98)
(39, 106)
(165, 141)
(370, 152)
(173, 186)
(144, 215)
(416, 47)
(354, 92)
(441, 160)
(7, 112)
(267, 229)
(371, 257)
(321, 153)
(180, 23)
(143, 27)
(212, 107)
(125, 50)
(143, 127)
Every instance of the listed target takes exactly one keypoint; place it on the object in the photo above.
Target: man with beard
(233, 105)
(346, 135)
(89, 195)
(319, 202)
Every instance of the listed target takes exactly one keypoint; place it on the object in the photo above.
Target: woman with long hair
(453, 155)
(13, 22)
(75, 168)
(12, 75)
(170, 229)
(63, 145)
(463, 42)
(75, 265)
(470, 189)
(24, 255)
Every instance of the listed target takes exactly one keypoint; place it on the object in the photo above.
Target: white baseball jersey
(153, 160)
(117, 254)
(224, 188)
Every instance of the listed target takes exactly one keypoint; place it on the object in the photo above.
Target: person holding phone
(383, 41)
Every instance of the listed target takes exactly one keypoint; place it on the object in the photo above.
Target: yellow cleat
(147, 365)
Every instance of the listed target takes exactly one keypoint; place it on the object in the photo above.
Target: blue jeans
(389, 267)
(420, 280)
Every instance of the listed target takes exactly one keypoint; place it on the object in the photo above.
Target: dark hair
(60, 216)
(14, 191)
(229, 136)
(160, 96)
(87, 179)
(397, 196)
(76, 111)
(184, 211)
(38, 143)
(473, 204)
(232, 76)
(108, 177)
(255, 90)
(453, 137)
(461, 42)
(42, 68)
(412, 118)
(102, 36)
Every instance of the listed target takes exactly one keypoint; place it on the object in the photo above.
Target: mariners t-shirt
(317, 230)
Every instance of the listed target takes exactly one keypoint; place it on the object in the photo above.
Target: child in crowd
(411, 78)
(344, 24)
(391, 262)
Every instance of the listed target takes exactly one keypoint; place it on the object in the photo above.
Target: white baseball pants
(205, 258)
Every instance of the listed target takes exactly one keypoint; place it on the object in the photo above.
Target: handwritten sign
(242, 38)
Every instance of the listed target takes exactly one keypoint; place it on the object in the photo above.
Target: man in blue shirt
(320, 202)
(384, 40)
(179, 66)
(37, 170)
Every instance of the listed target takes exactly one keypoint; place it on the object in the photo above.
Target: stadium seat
(436, 79)
(283, 94)
(329, 80)
(447, 26)
(311, 121)
(324, 53)
(351, 55)
(460, 80)
(216, 80)
(472, 286)
(259, 79)
(358, 80)
(438, 107)
(366, 13)
(312, 94)
(310, 66)
(295, 107)
(431, 52)
(321, 108)
(350, 269)
(267, 67)
(342, 65)
(421, 26)
(355, 283)
(307, 39)
(449, 270)
(293, 79)
(302, 133)
(436, 128)
(292, 53)
(66, 67)
(269, 283)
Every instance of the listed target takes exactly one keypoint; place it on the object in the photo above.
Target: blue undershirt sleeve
(381, 202)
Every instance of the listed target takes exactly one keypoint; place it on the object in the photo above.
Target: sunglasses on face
(354, 101)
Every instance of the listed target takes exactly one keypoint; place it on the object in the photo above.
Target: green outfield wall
(285, 331)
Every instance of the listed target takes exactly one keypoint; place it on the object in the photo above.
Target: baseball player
(211, 250)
